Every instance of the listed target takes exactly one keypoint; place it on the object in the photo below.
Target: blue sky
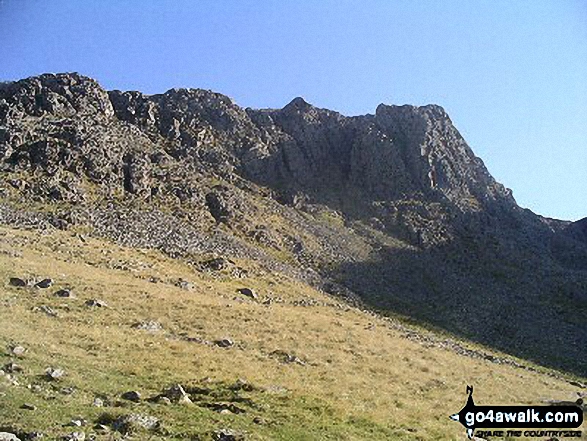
(511, 74)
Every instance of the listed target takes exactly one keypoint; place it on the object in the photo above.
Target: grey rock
(224, 343)
(45, 309)
(54, 373)
(65, 293)
(248, 292)
(96, 303)
(184, 284)
(69, 390)
(31, 436)
(12, 368)
(27, 406)
(216, 264)
(163, 400)
(149, 326)
(129, 423)
(16, 281)
(218, 207)
(177, 394)
(6, 436)
(45, 283)
(132, 395)
(242, 384)
(227, 435)
(287, 358)
(18, 350)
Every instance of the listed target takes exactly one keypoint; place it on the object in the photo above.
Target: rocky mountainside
(392, 211)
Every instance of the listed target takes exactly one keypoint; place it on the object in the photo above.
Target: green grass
(362, 379)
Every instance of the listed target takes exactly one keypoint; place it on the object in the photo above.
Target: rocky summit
(390, 211)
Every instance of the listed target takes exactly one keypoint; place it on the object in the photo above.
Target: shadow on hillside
(512, 300)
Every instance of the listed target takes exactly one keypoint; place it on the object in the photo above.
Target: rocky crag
(391, 210)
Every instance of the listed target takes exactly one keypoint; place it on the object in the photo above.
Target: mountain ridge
(391, 209)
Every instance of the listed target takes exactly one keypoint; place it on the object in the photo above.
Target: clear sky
(511, 74)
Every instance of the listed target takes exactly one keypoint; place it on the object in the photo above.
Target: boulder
(16, 281)
(96, 303)
(248, 292)
(132, 395)
(45, 283)
(127, 424)
(54, 373)
(66, 293)
(18, 350)
(177, 394)
(224, 343)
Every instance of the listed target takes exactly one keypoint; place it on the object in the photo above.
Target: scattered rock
(224, 343)
(64, 293)
(98, 402)
(5, 436)
(45, 283)
(15, 281)
(54, 373)
(27, 406)
(78, 422)
(248, 292)
(96, 303)
(132, 395)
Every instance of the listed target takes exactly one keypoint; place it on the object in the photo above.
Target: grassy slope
(362, 379)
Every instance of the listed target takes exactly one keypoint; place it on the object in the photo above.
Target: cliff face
(398, 153)
(393, 208)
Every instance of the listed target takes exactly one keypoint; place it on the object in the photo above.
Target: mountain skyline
(510, 75)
